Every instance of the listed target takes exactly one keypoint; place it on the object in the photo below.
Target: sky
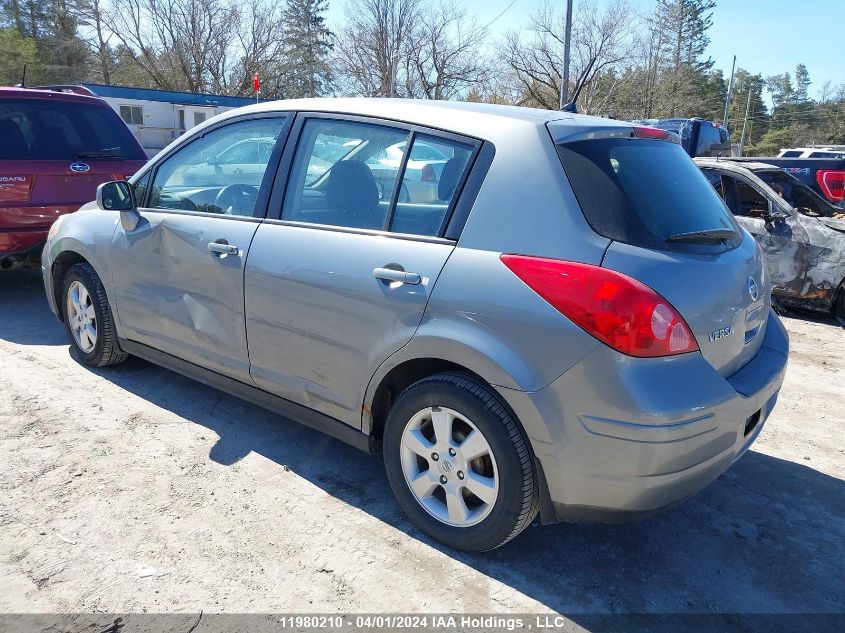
(767, 36)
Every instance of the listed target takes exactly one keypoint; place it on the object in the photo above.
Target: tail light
(651, 132)
(619, 311)
(428, 174)
(832, 183)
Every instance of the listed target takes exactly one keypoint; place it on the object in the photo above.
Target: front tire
(88, 317)
(459, 464)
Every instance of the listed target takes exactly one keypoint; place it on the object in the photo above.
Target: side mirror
(116, 196)
(776, 215)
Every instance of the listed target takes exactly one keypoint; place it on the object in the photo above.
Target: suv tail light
(428, 174)
(832, 183)
(641, 131)
(619, 311)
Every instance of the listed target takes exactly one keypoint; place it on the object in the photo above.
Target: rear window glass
(643, 192)
(44, 129)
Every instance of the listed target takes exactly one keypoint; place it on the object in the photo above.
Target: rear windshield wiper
(103, 155)
(707, 235)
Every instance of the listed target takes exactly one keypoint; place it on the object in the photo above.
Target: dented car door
(178, 275)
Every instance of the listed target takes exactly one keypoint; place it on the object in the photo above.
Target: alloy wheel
(81, 317)
(449, 466)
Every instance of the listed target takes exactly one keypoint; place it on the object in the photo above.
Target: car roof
(480, 120)
(37, 93)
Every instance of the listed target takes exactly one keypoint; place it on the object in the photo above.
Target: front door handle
(389, 274)
(222, 248)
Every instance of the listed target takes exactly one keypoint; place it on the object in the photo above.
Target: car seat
(352, 196)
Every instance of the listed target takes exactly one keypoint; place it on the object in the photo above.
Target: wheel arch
(67, 255)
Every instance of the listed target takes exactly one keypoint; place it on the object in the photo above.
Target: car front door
(178, 275)
(784, 242)
(340, 280)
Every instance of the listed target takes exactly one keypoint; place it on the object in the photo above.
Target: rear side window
(790, 154)
(46, 129)
(432, 175)
(643, 192)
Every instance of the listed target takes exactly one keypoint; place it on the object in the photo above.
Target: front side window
(202, 177)
(341, 174)
(797, 194)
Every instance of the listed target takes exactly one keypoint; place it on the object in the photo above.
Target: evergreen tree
(802, 83)
(308, 44)
(683, 26)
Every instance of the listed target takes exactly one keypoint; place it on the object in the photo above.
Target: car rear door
(340, 277)
(178, 275)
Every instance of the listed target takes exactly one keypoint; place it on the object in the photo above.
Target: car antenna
(572, 105)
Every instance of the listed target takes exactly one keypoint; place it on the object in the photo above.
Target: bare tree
(443, 53)
(91, 15)
(601, 40)
(371, 43)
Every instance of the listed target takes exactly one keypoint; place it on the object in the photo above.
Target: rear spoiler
(614, 131)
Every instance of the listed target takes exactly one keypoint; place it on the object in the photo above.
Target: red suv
(55, 148)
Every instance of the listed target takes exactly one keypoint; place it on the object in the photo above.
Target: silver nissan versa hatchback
(566, 320)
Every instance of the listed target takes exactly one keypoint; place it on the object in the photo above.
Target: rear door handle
(389, 274)
(222, 248)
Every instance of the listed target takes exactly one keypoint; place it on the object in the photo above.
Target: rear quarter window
(642, 192)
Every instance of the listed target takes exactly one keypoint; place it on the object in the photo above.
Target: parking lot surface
(133, 489)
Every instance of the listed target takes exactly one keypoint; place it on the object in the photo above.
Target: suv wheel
(459, 464)
(839, 306)
(88, 318)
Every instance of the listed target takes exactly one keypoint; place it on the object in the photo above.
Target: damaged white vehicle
(801, 234)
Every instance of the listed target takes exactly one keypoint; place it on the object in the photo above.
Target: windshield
(797, 194)
(44, 129)
(645, 193)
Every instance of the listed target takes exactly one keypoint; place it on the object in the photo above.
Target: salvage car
(801, 233)
(56, 149)
(576, 327)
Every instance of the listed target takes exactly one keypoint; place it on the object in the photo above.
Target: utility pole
(728, 96)
(745, 122)
(564, 80)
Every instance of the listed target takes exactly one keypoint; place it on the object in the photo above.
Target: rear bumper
(24, 229)
(619, 438)
(16, 242)
(17, 256)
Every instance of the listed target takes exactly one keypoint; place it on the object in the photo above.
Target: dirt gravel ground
(133, 489)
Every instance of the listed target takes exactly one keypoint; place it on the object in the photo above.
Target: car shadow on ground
(767, 537)
(25, 317)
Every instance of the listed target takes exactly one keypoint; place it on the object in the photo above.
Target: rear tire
(839, 306)
(480, 448)
(88, 317)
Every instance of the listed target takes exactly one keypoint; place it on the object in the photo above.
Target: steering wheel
(237, 199)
